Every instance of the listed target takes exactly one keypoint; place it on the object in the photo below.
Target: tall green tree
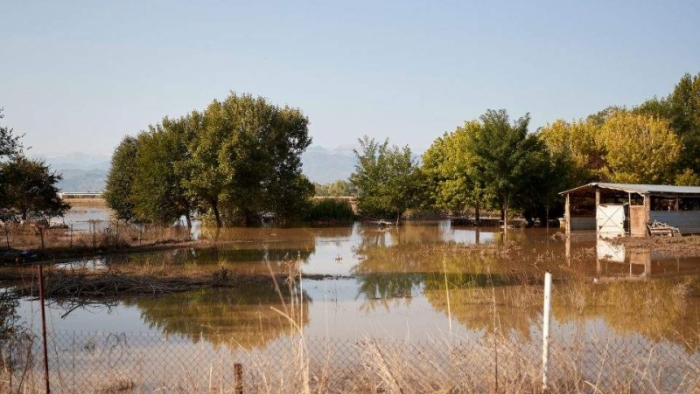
(245, 159)
(509, 162)
(338, 188)
(449, 170)
(575, 148)
(386, 179)
(9, 143)
(118, 187)
(238, 159)
(287, 190)
(685, 119)
(156, 191)
(682, 109)
(200, 170)
(639, 149)
(28, 190)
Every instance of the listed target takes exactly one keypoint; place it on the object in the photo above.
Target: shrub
(331, 209)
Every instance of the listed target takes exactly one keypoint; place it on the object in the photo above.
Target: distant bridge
(69, 195)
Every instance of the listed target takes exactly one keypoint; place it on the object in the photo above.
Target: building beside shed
(618, 208)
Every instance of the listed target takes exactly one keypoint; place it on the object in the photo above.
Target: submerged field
(419, 308)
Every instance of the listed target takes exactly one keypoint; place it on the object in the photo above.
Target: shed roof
(636, 188)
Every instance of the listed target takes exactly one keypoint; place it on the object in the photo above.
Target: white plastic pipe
(545, 327)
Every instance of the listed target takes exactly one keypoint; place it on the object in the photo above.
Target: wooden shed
(619, 208)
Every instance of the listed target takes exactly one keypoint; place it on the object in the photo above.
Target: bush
(331, 209)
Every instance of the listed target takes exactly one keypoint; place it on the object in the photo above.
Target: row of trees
(235, 161)
(498, 164)
(655, 142)
(339, 188)
(27, 187)
(489, 162)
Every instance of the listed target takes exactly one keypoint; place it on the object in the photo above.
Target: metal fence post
(545, 327)
(43, 328)
(41, 235)
(238, 370)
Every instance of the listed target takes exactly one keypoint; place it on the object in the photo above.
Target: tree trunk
(249, 218)
(505, 216)
(477, 213)
(189, 220)
(217, 216)
(398, 217)
(546, 215)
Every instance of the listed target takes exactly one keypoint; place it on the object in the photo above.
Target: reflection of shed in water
(618, 208)
(614, 263)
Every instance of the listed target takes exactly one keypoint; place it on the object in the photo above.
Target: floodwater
(616, 312)
(420, 281)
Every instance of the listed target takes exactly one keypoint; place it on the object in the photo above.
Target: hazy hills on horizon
(84, 172)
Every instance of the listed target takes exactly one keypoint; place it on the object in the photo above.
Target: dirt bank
(687, 244)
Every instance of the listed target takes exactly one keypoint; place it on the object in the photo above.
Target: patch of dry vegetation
(688, 245)
(56, 243)
(494, 363)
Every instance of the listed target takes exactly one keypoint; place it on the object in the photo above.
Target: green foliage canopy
(615, 145)
(450, 173)
(118, 187)
(638, 149)
(156, 190)
(682, 109)
(28, 190)
(509, 162)
(9, 143)
(338, 188)
(386, 178)
(238, 159)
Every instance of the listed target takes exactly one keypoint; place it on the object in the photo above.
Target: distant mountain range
(322, 165)
(81, 172)
(84, 172)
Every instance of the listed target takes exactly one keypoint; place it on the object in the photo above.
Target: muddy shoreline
(689, 244)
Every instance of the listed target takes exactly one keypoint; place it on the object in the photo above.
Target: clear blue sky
(79, 75)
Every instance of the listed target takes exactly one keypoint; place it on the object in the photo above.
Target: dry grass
(77, 203)
(500, 360)
(102, 238)
(294, 364)
(144, 278)
(689, 245)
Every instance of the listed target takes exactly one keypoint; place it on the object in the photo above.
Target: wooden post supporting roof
(597, 206)
(567, 213)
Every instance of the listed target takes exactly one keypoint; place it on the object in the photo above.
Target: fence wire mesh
(126, 363)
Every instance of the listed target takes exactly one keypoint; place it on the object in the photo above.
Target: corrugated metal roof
(637, 188)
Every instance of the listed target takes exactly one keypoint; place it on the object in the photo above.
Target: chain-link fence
(79, 236)
(126, 363)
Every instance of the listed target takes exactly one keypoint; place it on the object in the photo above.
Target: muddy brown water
(421, 280)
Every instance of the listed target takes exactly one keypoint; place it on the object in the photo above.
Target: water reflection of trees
(236, 317)
(395, 264)
(660, 309)
(503, 301)
(215, 256)
(332, 233)
(9, 319)
(502, 280)
(299, 236)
